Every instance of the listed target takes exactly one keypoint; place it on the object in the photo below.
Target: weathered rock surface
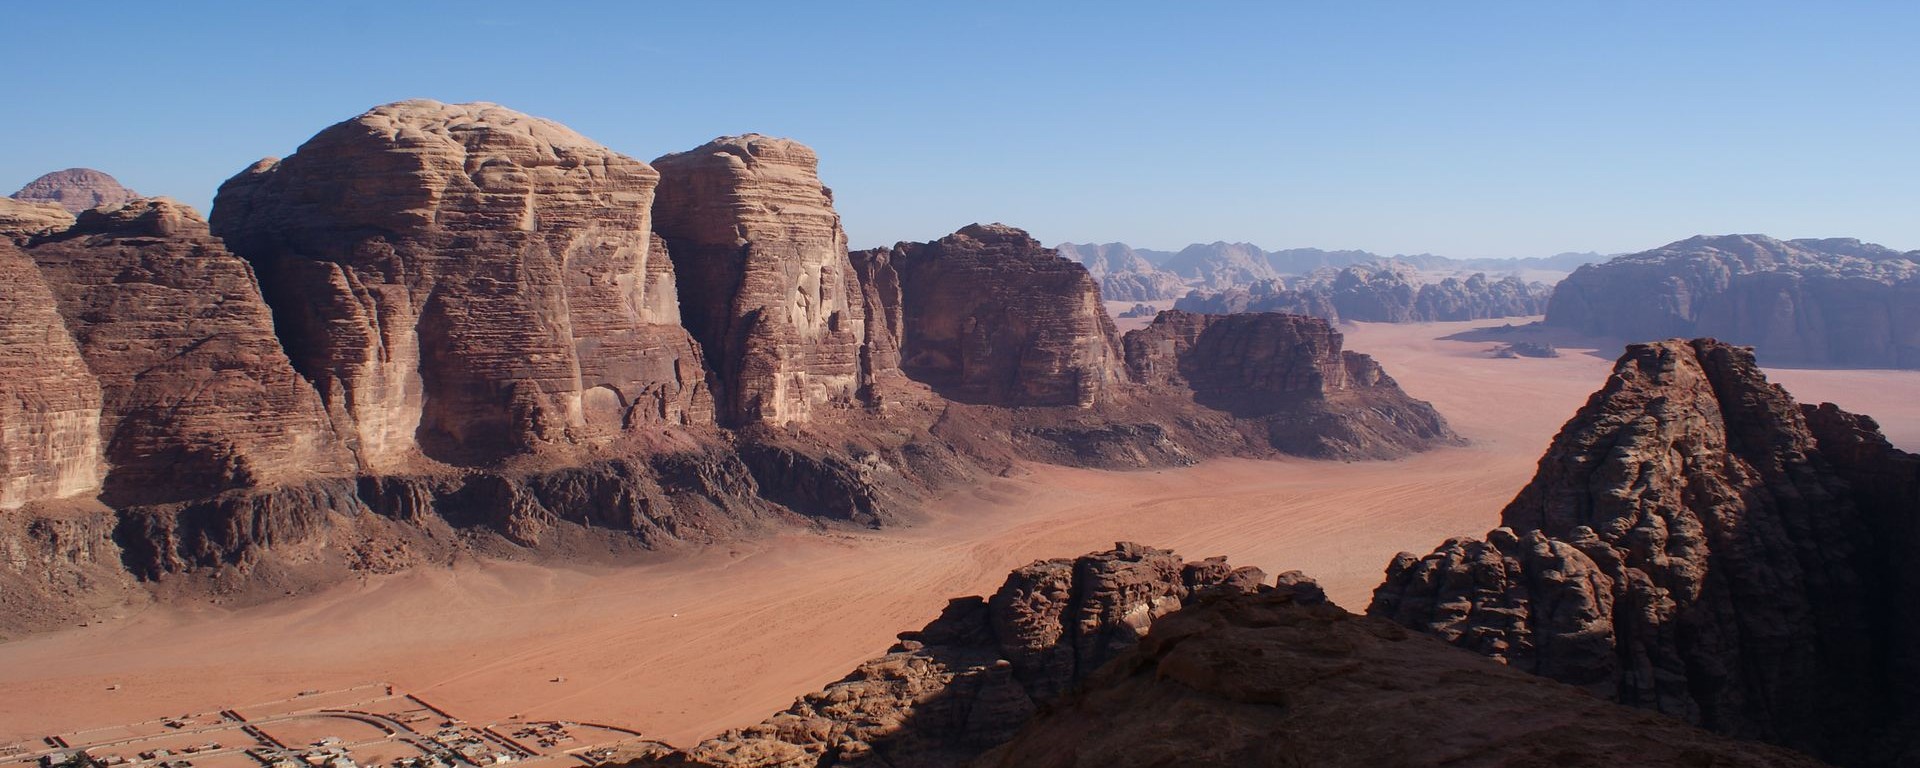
(23, 221)
(76, 190)
(970, 679)
(1123, 274)
(1289, 374)
(467, 283)
(50, 444)
(763, 264)
(198, 397)
(1834, 302)
(1697, 544)
(1270, 679)
(1379, 294)
(992, 317)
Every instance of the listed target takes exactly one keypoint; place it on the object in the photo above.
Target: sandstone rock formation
(990, 316)
(198, 396)
(1290, 374)
(1697, 544)
(50, 411)
(1834, 302)
(1221, 265)
(468, 283)
(23, 221)
(763, 262)
(971, 678)
(1270, 679)
(1379, 294)
(1123, 274)
(76, 190)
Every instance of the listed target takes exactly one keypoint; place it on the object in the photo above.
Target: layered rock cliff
(23, 221)
(1698, 544)
(971, 678)
(76, 190)
(1289, 374)
(1834, 302)
(50, 444)
(772, 296)
(990, 316)
(1123, 274)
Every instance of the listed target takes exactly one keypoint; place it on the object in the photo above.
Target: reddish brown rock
(76, 190)
(23, 221)
(1289, 374)
(1269, 679)
(468, 282)
(992, 317)
(198, 396)
(1696, 543)
(763, 267)
(50, 444)
(970, 679)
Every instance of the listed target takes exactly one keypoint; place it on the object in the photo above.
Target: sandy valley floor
(682, 649)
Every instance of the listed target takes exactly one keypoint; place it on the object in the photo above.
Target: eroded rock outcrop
(76, 190)
(1289, 374)
(1123, 274)
(992, 317)
(1696, 543)
(23, 221)
(763, 265)
(971, 678)
(198, 397)
(1381, 293)
(50, 444)
(1832, 302)
(1270, 679)
(467, 283)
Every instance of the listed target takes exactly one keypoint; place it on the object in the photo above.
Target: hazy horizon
(1509, 131)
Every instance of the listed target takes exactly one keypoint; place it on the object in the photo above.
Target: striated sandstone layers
(1289, 374)
(1833, 302)
(1271, 679)
(198, 397)
(992, 317)
(467, 283)
(1697, 544)
(763, 265)
(50, 411)
(23, 221)
(971, 678)
(76, 190)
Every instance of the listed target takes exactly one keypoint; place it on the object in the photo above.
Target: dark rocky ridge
(1378, 294)
(1698, 544)
(1833, 302)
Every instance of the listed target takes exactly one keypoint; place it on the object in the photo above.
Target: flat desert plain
(684, 648)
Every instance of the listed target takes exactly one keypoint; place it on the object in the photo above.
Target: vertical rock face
(198, 396)
(1834, 302)
(49, 402)
(76, 190)
(763, 264)
(992, 317)
(970, 679)
(1696, 543)
(467, 282)
(1290, 373)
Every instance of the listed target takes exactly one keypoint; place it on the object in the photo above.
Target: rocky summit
(446, 329)
(1824, 303)
(1698, 544)
(75, 190)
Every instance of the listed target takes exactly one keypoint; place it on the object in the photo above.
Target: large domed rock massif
(1698, 544)
(1832, 302)
(76, 189)
(438, 329)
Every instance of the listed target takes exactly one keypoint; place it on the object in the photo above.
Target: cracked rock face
(197, 395)
(467, 282)
(763, 265)
(1698, 544)
(50, 409)
(992, 317)
(76, 189)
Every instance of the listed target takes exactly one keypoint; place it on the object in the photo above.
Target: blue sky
(1465, 129)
